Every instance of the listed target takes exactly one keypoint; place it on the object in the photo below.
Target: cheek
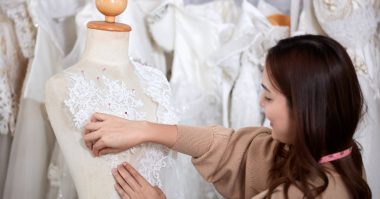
(279, 116)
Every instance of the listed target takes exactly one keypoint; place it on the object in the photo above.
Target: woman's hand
(110, 134)
(131, 185)
(106, 134)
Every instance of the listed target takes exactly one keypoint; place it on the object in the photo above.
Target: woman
(312, 98)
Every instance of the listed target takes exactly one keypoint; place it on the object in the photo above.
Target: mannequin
(122, 84)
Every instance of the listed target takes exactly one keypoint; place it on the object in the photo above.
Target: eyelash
(267, 99)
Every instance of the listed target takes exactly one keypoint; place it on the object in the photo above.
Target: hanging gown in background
(242, 62)
(194, 82)
(33, 133)
(245, 96)
(140, 41)
(341, 20)
(193, 33)
(303, 19)
(12, 73)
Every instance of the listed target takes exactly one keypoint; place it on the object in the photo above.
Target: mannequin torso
(105, 80)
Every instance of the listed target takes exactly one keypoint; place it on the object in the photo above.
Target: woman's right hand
(106, 134)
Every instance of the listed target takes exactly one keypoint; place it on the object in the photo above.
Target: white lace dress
(85, 96)
(12, 73)
(33, 134)
(354, 24)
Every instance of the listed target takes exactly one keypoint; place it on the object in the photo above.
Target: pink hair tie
(335, 156)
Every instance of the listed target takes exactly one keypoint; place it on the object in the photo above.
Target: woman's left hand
(131, 185)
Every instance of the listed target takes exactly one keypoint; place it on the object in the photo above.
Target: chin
(278, 138)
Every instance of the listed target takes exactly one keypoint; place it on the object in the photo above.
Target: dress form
(106, 54)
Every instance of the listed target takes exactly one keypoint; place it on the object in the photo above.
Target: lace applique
(54, 175)
(337, 8)
(360, 66)
(106, 96)
(5, 105)
(157, 87)
(113, 97)
(25, 31)
(12, 66)
(152, 163)
(352, 22)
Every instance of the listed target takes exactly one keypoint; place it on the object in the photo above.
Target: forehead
(266, 81)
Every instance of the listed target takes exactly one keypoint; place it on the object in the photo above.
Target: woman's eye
(267, 99)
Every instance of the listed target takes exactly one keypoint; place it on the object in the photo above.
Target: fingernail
(125, 164)
(114, 170)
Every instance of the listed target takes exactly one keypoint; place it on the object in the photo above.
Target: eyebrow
(262, 85)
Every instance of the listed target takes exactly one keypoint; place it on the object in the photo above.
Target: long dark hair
(325, 102)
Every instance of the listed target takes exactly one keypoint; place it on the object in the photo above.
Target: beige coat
(238, 163)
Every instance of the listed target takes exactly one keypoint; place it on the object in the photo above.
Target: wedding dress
(6, 114)
(33, 134)
(353, 23)
(54, 20)
(242, 62)
(303, 19)
(12, 73)
(192, 33)
(61, 185)
(186, 31)
(109, 93)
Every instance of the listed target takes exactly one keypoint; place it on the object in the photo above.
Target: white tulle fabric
(106, 95)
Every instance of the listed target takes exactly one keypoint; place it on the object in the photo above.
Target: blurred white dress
(355, 26)
(12, 73)
(241, 59)
(27, 175)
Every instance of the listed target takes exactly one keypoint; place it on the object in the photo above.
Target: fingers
(98, 146)
(93, 136)
(107, 150)
(159, 191)
(92, 126)
(99, 117)
(121, 192)
(136, 175)
(122, 183)
(128, 178)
